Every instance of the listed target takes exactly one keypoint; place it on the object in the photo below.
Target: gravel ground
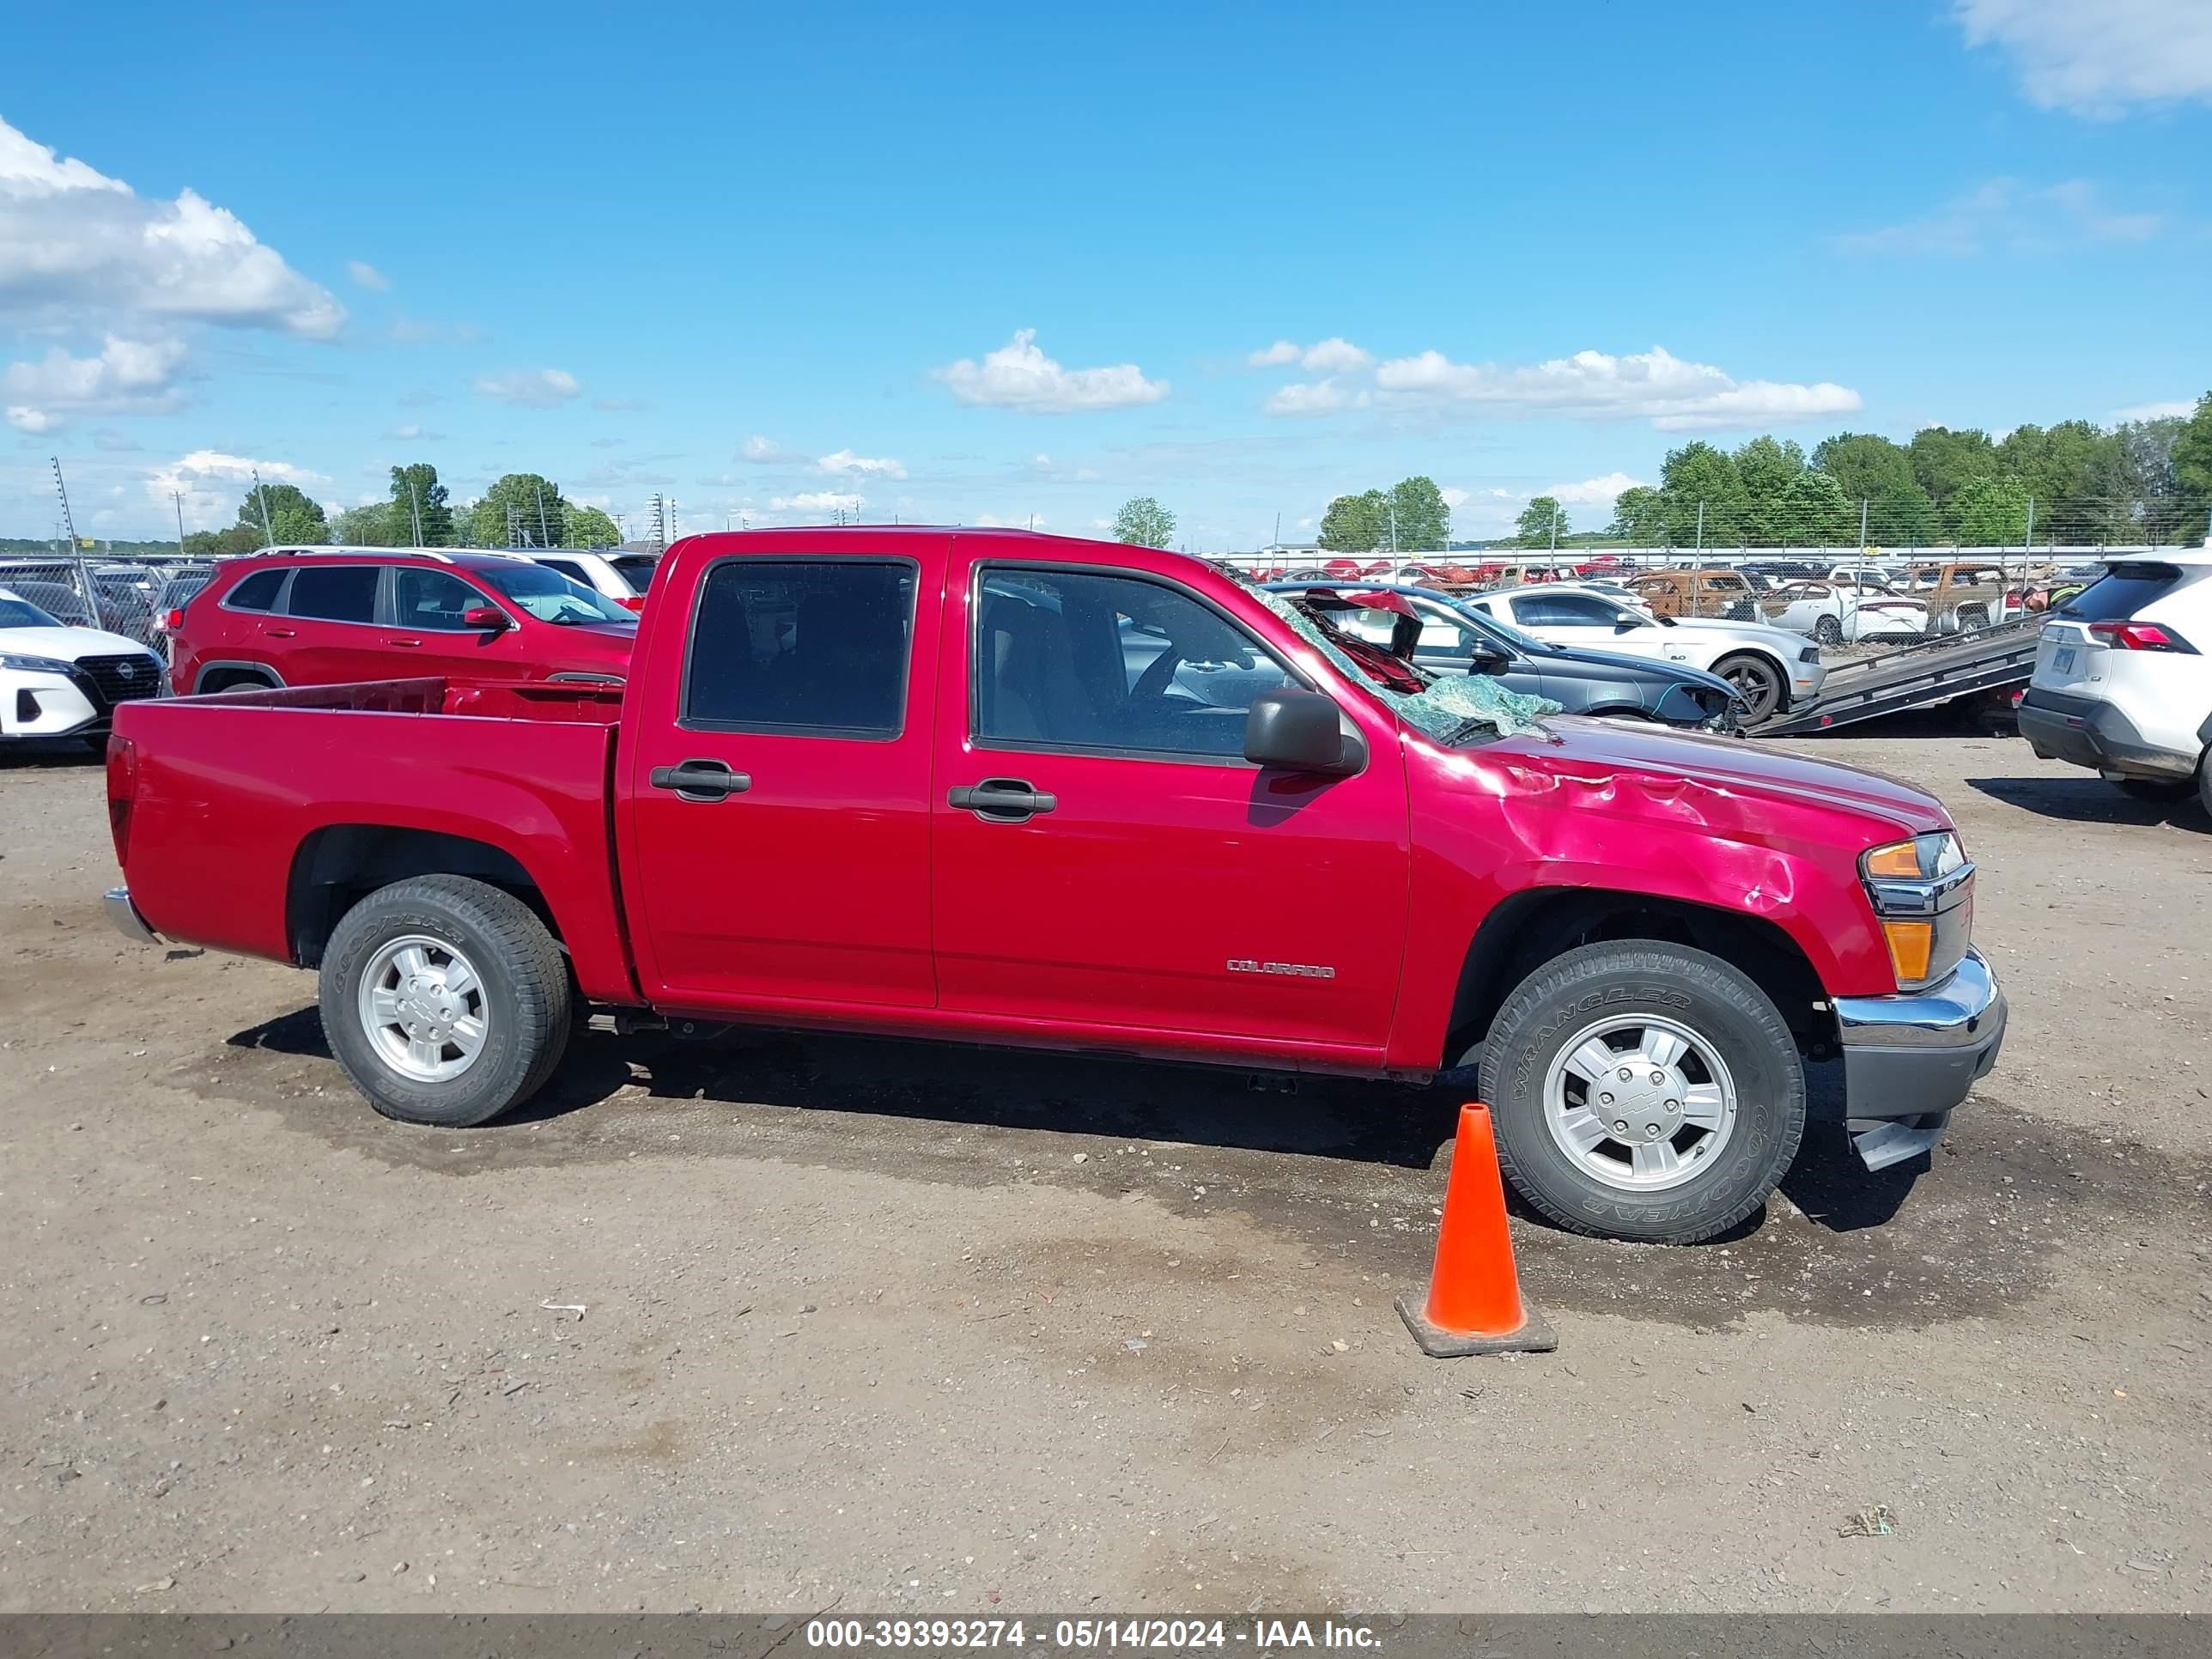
(789, 1322)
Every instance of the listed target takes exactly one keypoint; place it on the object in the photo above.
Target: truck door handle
(1002, 800)
(702, 780)
(405, 642)
(279, 633)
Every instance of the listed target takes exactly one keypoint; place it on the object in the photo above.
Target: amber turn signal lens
(1910, 944)
(1898, 862)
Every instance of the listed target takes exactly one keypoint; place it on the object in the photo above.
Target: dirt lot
(880, 1326)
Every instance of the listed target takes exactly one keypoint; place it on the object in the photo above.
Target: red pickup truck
(1018, 789)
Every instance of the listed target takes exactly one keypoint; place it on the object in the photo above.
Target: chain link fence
(134, 597)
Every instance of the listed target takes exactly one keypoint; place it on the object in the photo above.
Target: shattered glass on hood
(1450, 701)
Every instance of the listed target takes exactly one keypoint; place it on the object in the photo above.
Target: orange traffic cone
(1474, 1304)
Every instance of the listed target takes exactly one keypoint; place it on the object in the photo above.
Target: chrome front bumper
(124, 915)
(1910, 1059)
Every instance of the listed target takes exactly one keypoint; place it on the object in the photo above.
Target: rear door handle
(1002, 800)
(405, 642)
(702, 780)
(279, 633)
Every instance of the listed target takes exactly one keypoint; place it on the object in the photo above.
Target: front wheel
(445, 999)
(1757, 680)
(1643, 1090)
(1828, 631)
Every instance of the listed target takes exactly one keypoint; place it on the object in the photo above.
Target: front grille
(122, 679)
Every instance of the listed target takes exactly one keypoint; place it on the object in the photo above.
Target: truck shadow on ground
(1352, 1170)
(2090, 800)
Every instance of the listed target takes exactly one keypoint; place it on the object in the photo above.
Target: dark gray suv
(1454, 638)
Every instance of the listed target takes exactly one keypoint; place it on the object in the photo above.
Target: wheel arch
(339, 865)
(1529, 928)
(238, 672)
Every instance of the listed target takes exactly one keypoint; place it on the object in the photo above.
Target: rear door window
(432, 601)
(257, 591)
(2122, 591)
(636, 570)
(1562, 610)
(344, 593)
(802, 646)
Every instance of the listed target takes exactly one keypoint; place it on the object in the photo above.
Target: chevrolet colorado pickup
(1016, 789)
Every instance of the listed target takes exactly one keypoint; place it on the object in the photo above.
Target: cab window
(806, 646)
(1075, 659)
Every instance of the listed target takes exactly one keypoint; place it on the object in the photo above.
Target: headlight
(1922, 895)
(33, 664)
(1810, 654)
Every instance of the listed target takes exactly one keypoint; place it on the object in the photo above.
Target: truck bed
(233, 798)
(1928, 672)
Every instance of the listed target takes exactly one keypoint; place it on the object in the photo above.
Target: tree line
(2074, 484)
(518, 508)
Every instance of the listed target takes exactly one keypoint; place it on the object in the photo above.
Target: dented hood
(1595, 751)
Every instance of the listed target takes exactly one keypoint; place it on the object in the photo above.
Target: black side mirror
(1297, 730)
(1488, 659)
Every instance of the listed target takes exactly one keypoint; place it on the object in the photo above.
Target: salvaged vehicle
(1434, 632)
(1843, 613)
(1003, 787)
(1688, 593)
(1961, 597)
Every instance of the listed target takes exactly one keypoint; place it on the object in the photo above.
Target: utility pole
(1701, 533)
(261, 496)
(414, 505)
(1862, 519)
(178, 496)
(76, 550)
(1555, 532)
(545, 536)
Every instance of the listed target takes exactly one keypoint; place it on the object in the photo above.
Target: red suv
(329, 618)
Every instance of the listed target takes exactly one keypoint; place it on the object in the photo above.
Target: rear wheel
(445, 999)
(1828, 631)
(1758, 680)
(1643, 1090)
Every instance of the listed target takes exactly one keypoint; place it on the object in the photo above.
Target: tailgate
(2068, 657)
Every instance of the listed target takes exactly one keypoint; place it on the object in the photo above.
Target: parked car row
(65, 679)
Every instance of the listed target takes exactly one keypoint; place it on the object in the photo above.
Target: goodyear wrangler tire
(446, 1000)
(1643, 1090)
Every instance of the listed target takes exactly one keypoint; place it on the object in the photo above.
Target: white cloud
(1313, 398)
(846, 465)
(1673, 394)
(129, 377)
(1017, 375)
(412, 433)
(2010, 215)
(1594, 492)
(212, 482)
(74, 243)
(368, 276)
(1019, 521)
(1454, 498)
(2097, 59)
(819, 501)
(763, 452)
(1334, 356)
(530, 388)
(2183, 407)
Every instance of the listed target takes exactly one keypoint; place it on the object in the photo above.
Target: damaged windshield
(1453, 709)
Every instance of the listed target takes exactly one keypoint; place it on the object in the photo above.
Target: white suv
(622, 577)
(2123, 684)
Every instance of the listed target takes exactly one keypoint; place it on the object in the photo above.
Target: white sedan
(60, 682)
(1773, 670)
(1840, 612)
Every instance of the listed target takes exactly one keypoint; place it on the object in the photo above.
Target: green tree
(1989, 513)
(2073, 470)
(369, 526)
(1357, 524)
(212, 543)
(2192, 473)
(1699, 475)
(1814, 510)
(416, 490)
(1143, 522)
(1541, 522)
(1424, 521)
(520, 510)
(2148, 488)
(589, 527)
(1903, 516)
(1768, 467)
(1864, 464)
(1945, 462)
(290, 516)
(1639, 516)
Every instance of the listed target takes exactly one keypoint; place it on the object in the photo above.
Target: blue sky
(980, 264)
